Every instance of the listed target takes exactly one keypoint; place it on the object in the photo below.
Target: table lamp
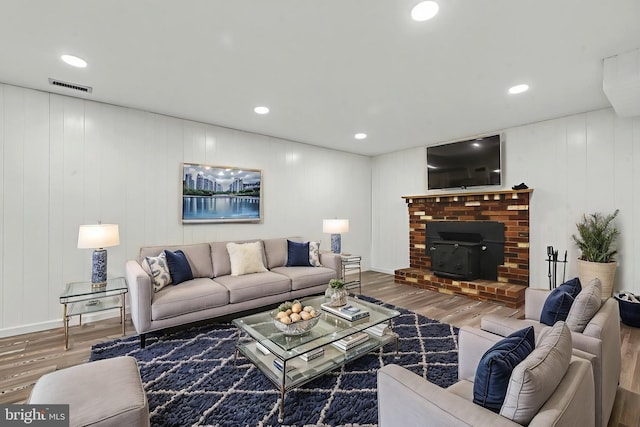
(335, 227)
(98, 236)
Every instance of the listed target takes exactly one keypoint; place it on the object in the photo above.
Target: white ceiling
(326, 68)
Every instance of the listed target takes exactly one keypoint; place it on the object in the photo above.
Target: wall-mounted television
(469, 163)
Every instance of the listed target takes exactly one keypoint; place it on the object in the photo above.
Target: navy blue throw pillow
(495, 367)
(556, 307)
(179, 267)
(297, 254)
(571, 286)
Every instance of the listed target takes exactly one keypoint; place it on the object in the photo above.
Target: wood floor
(24, 358)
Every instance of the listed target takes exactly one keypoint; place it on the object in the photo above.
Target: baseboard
(382, 270)
(53, 324)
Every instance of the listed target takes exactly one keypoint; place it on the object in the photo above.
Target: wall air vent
(73, 86)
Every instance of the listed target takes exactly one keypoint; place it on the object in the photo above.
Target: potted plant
(337, 293)
(595, 239)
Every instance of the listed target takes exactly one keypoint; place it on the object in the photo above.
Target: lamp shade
(98, 236)
(335, 226)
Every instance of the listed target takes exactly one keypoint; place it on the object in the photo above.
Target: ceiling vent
(72, 86)
(621, 83)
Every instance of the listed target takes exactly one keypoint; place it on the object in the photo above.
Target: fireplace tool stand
(552, 259)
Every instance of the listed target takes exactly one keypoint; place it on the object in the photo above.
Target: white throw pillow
(245, 258)
(314, 254)
(535, 379)
(159, 269)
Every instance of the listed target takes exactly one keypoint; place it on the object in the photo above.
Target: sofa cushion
(556, 306)
(275, 251)
(191, 296)
(495, 367)
(159, 269)
(245, 258)
(178, 266)
(253, 286)
(585, 306)
(198, 255)
(306, 277)
(535, 379)
(297, 254)
(462, 388)
(220, 257)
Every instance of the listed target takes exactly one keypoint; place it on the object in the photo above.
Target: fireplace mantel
(510, 207)
(488, 194)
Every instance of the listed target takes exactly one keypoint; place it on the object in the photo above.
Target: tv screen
(462, 164)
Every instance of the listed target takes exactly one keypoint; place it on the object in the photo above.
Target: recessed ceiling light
(518, 89)
(74, 61)
(360, 135)
(424, 11)
(261, 110)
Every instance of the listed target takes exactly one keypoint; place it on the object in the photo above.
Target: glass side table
(82, 298)
(351, 264)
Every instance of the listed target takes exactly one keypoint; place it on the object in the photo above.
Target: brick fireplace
(509, 207)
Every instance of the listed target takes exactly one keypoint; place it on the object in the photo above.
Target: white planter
(605, 271)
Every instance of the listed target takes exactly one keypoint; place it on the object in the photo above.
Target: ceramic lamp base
(99, 268)
(336, 243)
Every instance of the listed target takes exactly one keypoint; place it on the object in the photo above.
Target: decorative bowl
(297, 328)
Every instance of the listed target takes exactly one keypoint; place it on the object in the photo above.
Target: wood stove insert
(465, 250)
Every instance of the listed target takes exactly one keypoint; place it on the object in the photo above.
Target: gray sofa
(407, 399)
(600, 339)
(214, 292)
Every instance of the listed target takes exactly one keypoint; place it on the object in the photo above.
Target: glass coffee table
(281, 358)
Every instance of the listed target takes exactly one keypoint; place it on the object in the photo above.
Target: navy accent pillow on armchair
(556, 307)
(495, 367)
(572, 287)
(179, 267)
(558, 303)
(298, 254)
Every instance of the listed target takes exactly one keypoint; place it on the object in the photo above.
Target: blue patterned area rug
(190, 377)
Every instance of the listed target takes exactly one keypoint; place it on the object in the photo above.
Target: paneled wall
(67, 162)
(582, 163)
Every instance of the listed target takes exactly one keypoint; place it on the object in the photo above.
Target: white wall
(67, 162)
(577, 164)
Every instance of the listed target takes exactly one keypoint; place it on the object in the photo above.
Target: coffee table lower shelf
(298, 372)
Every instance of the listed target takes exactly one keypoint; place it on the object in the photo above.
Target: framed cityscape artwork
(220, 194)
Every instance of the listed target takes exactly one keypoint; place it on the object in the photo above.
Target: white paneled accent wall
(583, 163)
(67, 161)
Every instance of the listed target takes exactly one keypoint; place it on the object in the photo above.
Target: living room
(70, 159)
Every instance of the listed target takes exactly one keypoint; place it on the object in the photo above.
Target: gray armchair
(600, 338)
(406, 399)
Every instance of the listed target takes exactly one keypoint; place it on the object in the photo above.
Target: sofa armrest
(332, 261)
(533, 302)
(140, 294)
(406, 399)
(472, 344)
(505, 326)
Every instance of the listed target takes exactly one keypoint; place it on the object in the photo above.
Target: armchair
(600, 338)
(405, 398)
